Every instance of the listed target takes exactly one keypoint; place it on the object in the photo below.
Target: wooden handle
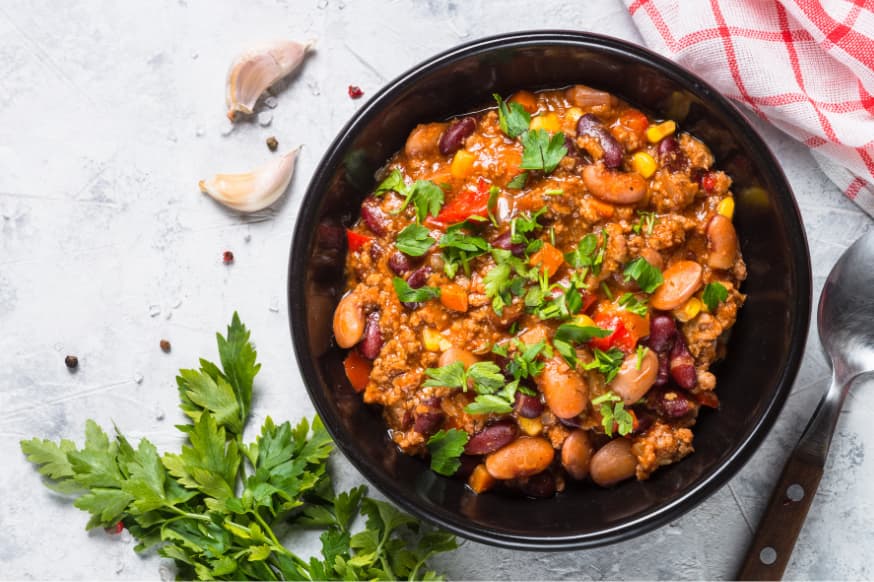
(774, 540)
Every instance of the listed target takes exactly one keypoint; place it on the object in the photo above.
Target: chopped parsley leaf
(524, 224)
(646, 222)
(542, 152)
(630, 303)
(714, 294)
(414, 240)
(426, 196)
(580, 334)
(393, 183)
(489, 404)
(446, 446)
(641, 354)
(607, 363)
(613, 412)
(589, 253)
(518, 181)
(407, 294)
(648, 277)
(512, 117)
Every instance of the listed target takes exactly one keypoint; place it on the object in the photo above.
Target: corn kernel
(656, 133)
(462, 164)
(584, 321)
(726, 208)
(689, 310)
(546, 121)
(644, 164)
(574, 114)
(530, 426)
(445, 344)
(431, 338)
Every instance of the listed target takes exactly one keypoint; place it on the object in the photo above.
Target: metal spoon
(846, 330)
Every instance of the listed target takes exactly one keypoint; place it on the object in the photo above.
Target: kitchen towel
(805, 66)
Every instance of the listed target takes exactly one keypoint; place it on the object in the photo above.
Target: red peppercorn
(708, 182)
(165, 346)
(355, 92)
(227, 257)
(115, 529)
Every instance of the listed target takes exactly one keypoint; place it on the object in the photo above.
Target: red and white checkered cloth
(805, 66)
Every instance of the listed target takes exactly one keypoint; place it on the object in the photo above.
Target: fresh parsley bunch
(220, 506)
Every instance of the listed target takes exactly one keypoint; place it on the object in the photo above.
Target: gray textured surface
(109, 114)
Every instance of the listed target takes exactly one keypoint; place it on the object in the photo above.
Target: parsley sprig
(512, 117)
(613, 413)
(648, 277)
(216, 508)
(542, 151)
(494, 394)
(414, 240)
(590, 252)
(425, 196)
(607, 363)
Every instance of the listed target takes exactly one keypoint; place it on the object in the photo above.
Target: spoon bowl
(846, 330)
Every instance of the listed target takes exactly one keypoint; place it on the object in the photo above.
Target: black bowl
(766, 345)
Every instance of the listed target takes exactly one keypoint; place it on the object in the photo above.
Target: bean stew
(536, 292)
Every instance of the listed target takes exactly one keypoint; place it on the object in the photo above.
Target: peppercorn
(227, 257)
(355, 92)
(272, 144)
(165, 346)
(72, 362)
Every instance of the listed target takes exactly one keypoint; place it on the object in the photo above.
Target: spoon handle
(771, 548)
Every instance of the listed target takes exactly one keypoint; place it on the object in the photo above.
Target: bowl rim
(454, 522)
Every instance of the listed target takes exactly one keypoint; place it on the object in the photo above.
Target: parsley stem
(269, 531)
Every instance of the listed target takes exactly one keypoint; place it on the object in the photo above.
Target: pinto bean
(423, 140)
(722, 240)
(682, 364)
(586, 97)
(565, 391)
(371, 343)
(523, 457)
(492, 438)
(504, 242)
(613, 186)
(590, 125)
(612, 463)
(528, 406)
(399, 263)
(454, 354)
(453, 137)
(681, 281)
(653, 257)
(576, 454)
(349, 321)
(632, 383)
(374, 217)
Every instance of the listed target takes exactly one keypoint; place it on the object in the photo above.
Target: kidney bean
(375, 251)
(528, 406)
(427, 423)
(576, 454)
(374, 217)
(453, 137)
(541, 485)
(670, 155)
(523, 457)
(573, 422)
(407, 420)
(491, 438)
(664, 369)
(683, 365)
(662, 330)
(349, 321)
(590, 125)
(468, 464)
(504, 242)
(399, 263)
(644, 420)
(612, 463)
(371, 343)
(674, 404)
(419, 277)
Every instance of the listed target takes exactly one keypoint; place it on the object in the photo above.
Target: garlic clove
(255, 190)
(253, 71)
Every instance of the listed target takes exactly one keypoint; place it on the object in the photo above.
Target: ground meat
(668, 231)
(661, 445)
(669, 191)
(698, 154)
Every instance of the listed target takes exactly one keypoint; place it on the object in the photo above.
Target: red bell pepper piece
(620, 338)
(355, 240)
(465, 205)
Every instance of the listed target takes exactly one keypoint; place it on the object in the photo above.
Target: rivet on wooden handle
(772, 544)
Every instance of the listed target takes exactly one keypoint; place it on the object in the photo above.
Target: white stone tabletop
(110, 113)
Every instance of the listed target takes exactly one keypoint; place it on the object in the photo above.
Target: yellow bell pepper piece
(462, 164)
(546, 121)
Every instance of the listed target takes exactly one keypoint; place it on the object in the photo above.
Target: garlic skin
(254, 70)
(255, 190)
